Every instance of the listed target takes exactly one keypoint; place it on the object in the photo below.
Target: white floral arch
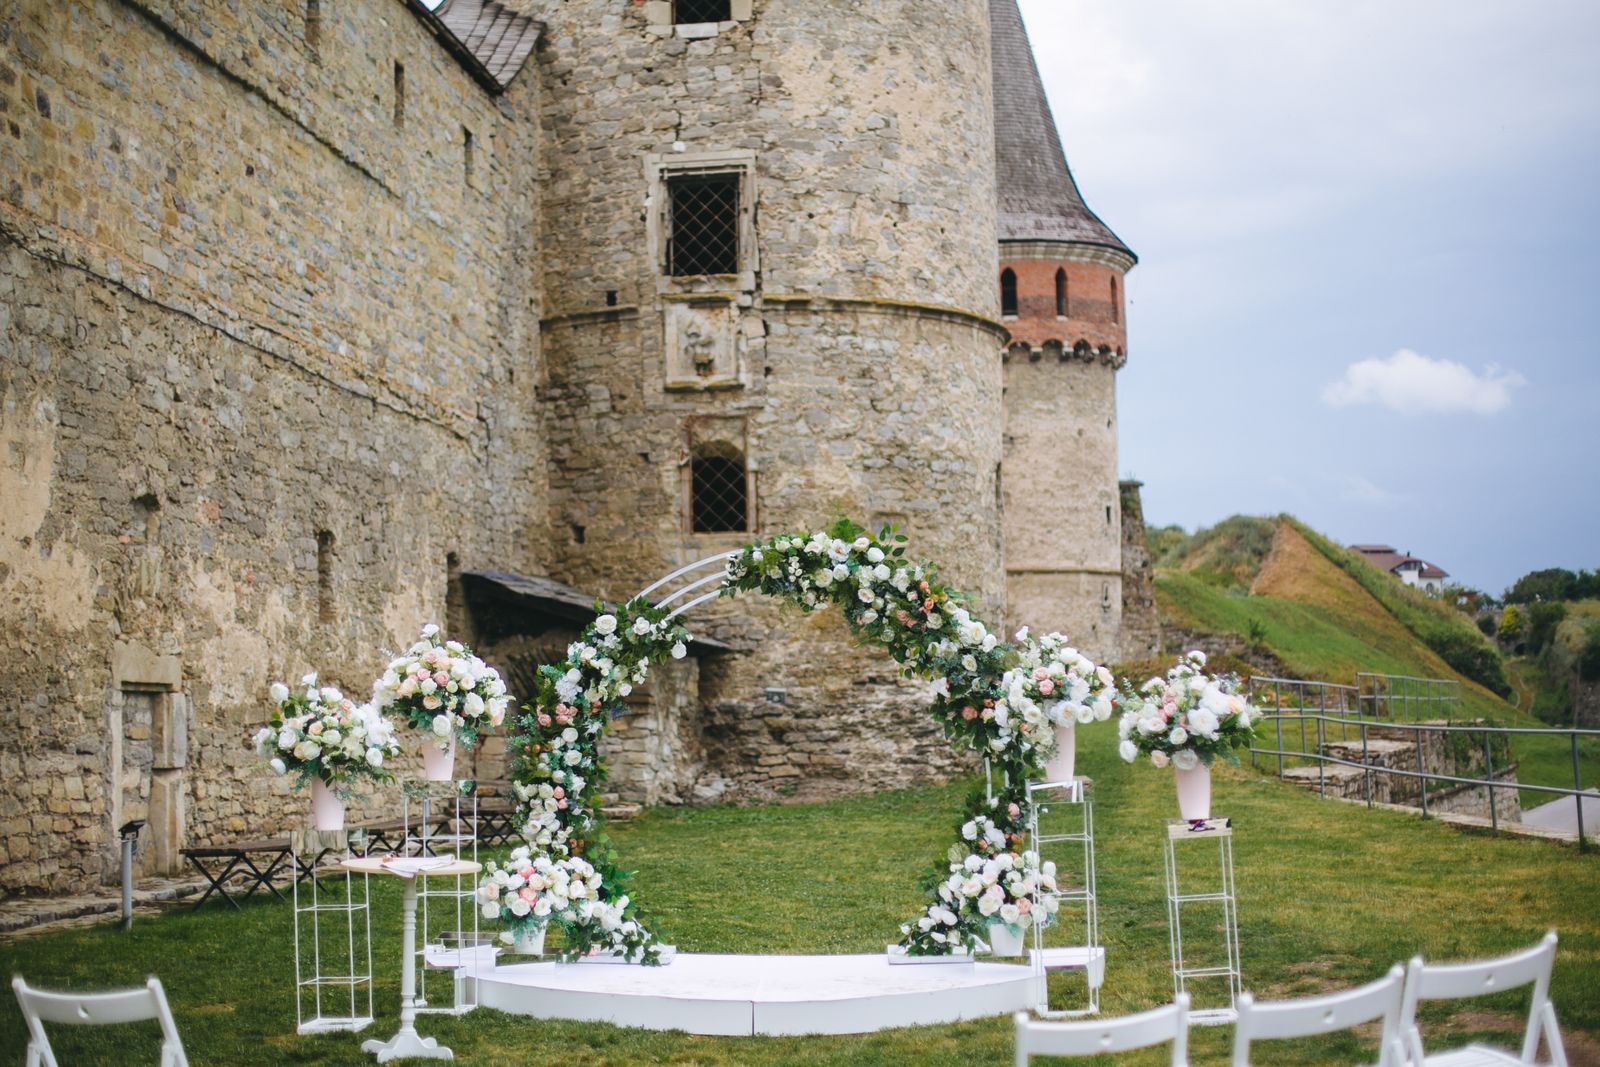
(1000, 700)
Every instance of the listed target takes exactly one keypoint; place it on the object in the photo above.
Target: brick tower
(1061, 295)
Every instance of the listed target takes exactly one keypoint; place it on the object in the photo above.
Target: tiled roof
(1038, 199)
(496, 37)
(1386, 558)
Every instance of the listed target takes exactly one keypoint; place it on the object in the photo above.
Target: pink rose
(441, 678)
(491, 891)
(558, 792)
(544, 720)
(316, 728)
(969, 713)
(1024, 905)
(527, 873)
(561, 805)
(1040, 674)
(527, 893)
(1046, 687)
(1013, 811)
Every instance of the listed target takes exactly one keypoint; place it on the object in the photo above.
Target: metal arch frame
(721, 559)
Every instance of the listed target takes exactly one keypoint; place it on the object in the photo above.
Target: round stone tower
(1061, 291)
(768, 250)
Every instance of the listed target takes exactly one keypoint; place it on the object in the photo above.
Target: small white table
(407, 1042)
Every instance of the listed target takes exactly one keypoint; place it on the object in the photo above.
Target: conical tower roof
(1039, 201)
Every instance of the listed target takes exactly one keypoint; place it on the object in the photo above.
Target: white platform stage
(737, 995)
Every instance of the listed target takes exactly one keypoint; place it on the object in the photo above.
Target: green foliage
(1451, 637)
(1255, 633)
(1512, 625)
(1487, 626)
(1228, 555)
(1552, 583)
(1543, 618)
(1589, 652)
(1166, 544)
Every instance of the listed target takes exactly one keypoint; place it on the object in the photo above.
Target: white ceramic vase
(327, 807)
(529, 943)
(1194, 792)
(1063, 763)
(439, 764)
(1005, 940)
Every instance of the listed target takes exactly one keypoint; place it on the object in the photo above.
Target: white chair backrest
(41, 1006)
(1458, 981)
(1314, 1016)
(1092, 1037)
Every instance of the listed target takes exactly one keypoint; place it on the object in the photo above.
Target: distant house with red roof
(1406, 567)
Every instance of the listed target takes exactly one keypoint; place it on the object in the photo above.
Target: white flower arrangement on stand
(531, 891)
(445, 691)
(1187, 719)
(327, 740)
(995, 888)
(1051, 691)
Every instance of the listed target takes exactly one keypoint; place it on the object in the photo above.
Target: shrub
(1589, 653)
(1487, 626)
(1511, 625)
(1543, 618)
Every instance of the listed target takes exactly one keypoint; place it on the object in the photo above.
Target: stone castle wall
(856, 364)
(1141, 624)
(265, 361)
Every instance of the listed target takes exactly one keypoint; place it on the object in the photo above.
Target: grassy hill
(1325, 614)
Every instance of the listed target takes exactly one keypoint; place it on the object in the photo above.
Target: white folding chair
(41, 1006)
(1457, 981)
(1315, 1016)
(1092, 1037)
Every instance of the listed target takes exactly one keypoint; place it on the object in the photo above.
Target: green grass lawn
(1330, 895)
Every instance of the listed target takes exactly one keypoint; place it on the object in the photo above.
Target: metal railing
(1405, 698)
(1322, 726)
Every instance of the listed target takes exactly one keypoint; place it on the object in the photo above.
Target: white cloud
(1414, 384)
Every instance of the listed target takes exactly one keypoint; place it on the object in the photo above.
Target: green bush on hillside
(1543, 618)
(1487, 626)
(1445, 631)
(1589, 652)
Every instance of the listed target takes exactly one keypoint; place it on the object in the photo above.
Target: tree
(1486, 624)
(1543, 618)
(1552, 583)
(1511, 625)
(1589, 654)
(1587, 586)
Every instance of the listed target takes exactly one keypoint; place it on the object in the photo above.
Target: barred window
(1061, 292)
(704, 220)
(718, 490)
(701, 11)
(1008, 292)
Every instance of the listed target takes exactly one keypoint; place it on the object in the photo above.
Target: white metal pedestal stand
(429, 835)
(1219, 832)
(406, 1041)
(1088, 957)
(349, 955)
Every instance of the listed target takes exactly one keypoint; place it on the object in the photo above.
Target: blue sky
(1369, 240)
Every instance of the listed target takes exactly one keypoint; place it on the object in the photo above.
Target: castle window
(703, 224)
(1008, 293)
(691, 11)
(399, 95)
(1061, 293)
(467, 162)
(313, 24)
(1116, 304)
(325, 611)
(719, 490)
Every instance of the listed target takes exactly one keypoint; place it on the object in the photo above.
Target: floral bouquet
(1053, 688)
(533, 890)
(319, 734)
(1187, 718)
(994, 892)
(441, 688)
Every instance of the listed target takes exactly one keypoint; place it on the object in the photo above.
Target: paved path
(1562, 814)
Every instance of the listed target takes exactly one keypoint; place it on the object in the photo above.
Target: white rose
(1009, 914)
(279, 766)
(278, 692)
(679, 650)
(605, 625)
(375, 756)
(840, 572)
(286, 739)
(875, 555)
(1178, 736)
(573, 757)
(642, 626)
(441, 725)
(309, 679)
(474, 705)
(1185, 759)
(1128, 751)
